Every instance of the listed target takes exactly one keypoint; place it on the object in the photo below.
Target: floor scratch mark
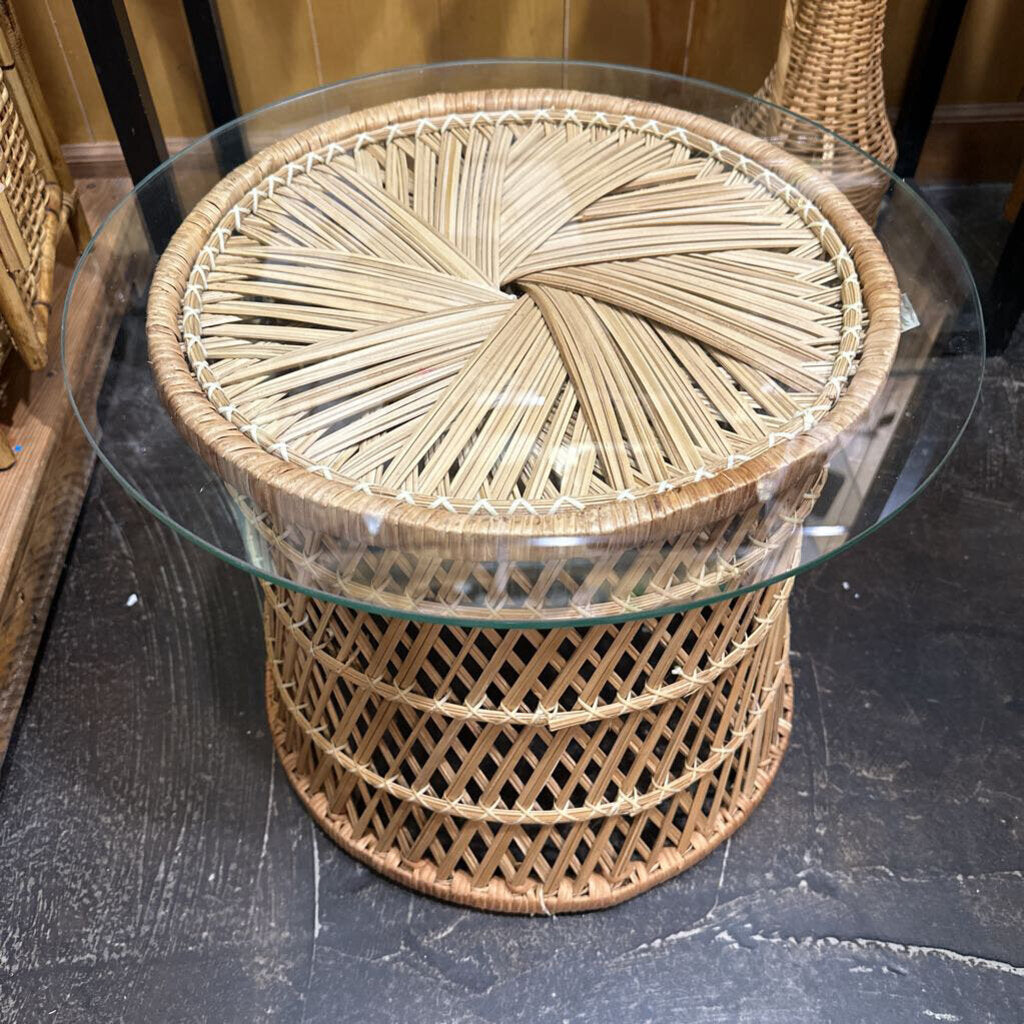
(316, 923)
(820, 826)
(907, 949)
(721, 878)
(821, 715)
(316, 889)
(266, 823)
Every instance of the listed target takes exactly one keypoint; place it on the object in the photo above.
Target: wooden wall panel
(279, 47)
(356, 37)
(902, 20)
(987, 65)
(271, 47)
(617, 31)
(505, 28)
(165, 47)
(687, 37)
(715, 53)
(61, 61)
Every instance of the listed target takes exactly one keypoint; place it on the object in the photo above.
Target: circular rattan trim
(279, 483)
(697, 566)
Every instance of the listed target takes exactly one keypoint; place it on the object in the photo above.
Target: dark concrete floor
(154, 865)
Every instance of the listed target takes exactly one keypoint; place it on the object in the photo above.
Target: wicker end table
(527, 402)
(427, 336)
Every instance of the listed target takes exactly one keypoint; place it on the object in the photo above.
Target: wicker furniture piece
(37, 198)
(829, 69)
(525, 406)
(493, 364)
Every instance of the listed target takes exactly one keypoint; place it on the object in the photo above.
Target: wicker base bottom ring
(530, 771)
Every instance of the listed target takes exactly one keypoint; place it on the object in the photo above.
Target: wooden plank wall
(279, 47)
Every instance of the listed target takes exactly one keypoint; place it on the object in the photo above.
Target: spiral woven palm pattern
(522, 312)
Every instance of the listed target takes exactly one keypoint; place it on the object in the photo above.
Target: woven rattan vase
(829, 69)
(491, 365)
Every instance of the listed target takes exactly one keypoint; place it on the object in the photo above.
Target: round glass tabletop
(569, 344)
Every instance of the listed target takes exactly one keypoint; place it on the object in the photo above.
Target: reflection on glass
(872, 470)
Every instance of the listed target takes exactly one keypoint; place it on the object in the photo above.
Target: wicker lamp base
(530, 771)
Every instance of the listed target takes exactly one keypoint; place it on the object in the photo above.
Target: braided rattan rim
(298, 495)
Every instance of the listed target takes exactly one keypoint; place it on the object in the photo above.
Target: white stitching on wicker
(811, 215)
(691, 584)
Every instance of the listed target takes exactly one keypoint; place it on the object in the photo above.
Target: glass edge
(250, 569)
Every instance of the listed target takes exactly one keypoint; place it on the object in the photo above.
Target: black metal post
(928, 65)
(1006, 298)
(108, 34)
(218, 83)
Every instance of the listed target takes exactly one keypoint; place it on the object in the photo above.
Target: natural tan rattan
(36, 200)
(765, 286)
(556, 585)
(829, 69)
(514, 807)
(431, 344)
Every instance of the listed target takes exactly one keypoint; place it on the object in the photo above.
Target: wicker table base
(479, 793)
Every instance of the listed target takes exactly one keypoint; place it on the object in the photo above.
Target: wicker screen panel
(30, 219)
(37, 198)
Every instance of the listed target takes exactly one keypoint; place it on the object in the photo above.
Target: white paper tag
(908, 318)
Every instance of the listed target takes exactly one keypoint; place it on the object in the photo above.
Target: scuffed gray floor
(154, 865)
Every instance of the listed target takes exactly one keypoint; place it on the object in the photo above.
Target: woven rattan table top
(519, 314)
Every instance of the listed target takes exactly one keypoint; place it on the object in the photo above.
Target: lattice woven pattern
(829, 69)
(751, 545)
(531, 771)
(32, 213)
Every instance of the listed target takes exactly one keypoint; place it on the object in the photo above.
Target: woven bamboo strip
(668, 240)
(738, 551)
(451, 803)
(33, 207)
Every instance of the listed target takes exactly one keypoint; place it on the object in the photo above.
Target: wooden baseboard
(104, 159)
(94, 160)
(974, 142)
(979, 113)
(968, 142)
